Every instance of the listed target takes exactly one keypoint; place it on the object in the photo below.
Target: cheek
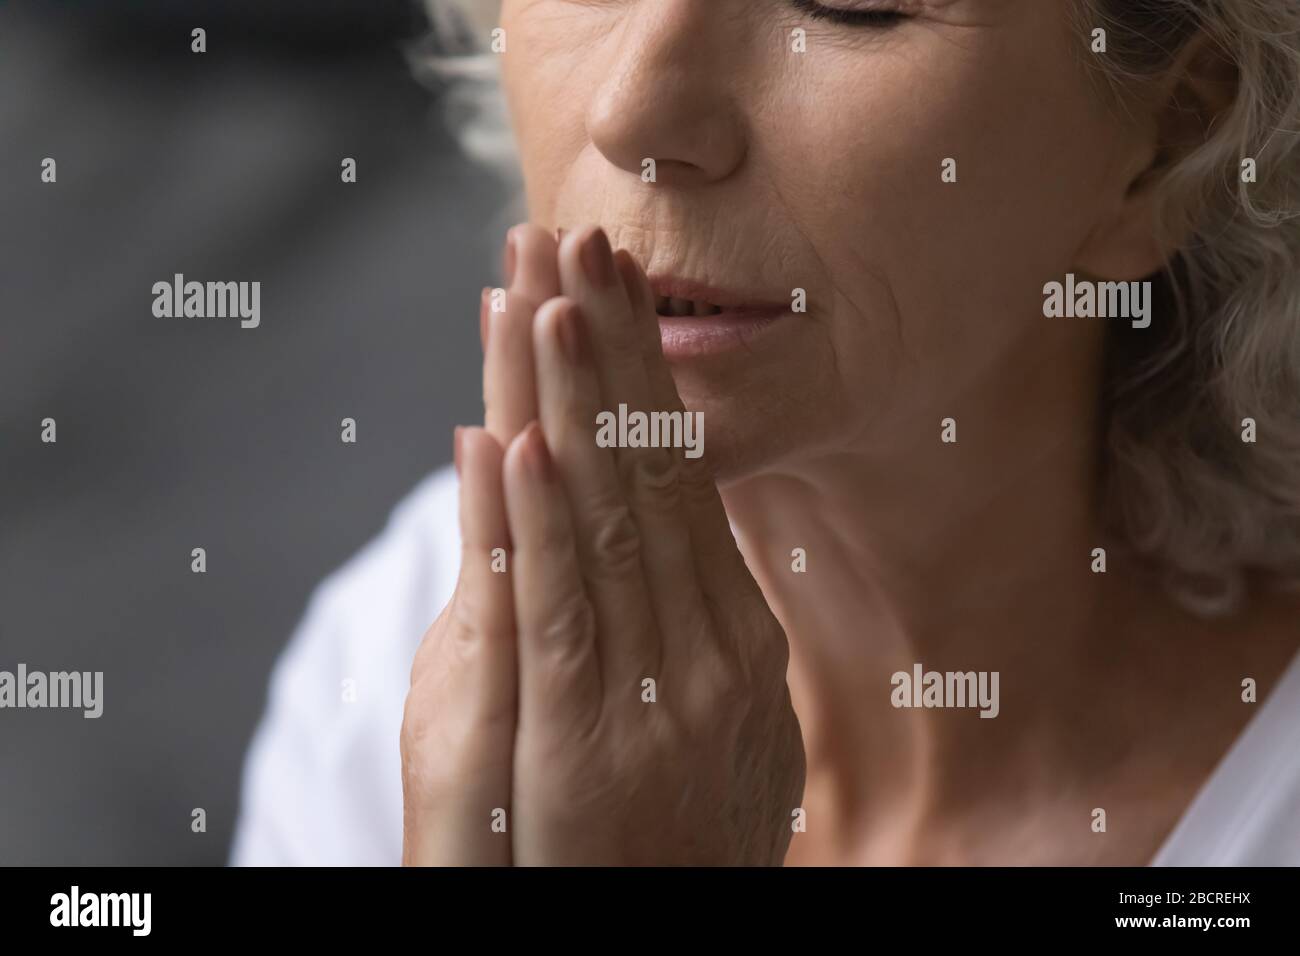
(897, 241)
(548, 81)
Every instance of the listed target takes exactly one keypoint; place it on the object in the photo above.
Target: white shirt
(322, 783)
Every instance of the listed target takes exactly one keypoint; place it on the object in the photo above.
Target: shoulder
(322, 776)
(1246, 814)
(371, 613)
(407, 572)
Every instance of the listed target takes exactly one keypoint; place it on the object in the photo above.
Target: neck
(969, 556)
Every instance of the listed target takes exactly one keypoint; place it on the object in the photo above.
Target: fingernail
(456, 442)
(537, 457)
(484, 327)
(573, 335)
(512, 255)
(597, 260)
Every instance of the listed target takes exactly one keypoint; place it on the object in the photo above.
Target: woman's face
(822, 170)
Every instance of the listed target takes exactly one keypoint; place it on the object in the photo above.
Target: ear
(1175, 116)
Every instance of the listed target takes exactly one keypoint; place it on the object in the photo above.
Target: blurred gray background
(183, 433)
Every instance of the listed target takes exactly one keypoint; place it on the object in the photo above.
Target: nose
(668, 94)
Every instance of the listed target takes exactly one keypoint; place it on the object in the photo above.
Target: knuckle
(727, 682)
(442, 728)
(428, 650)
(666, 735)
(615, 541)
(419, 723)
(651, 475)
(425, 731)
(470, 627)
(720, 695)
(568, 633)
(572, 621)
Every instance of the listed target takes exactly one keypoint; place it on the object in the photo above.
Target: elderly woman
(985, 315)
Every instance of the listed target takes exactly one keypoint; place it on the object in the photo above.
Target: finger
(559, 664)
(484, 598)
(609, 542)
(459, 724)
(589, 277)
(716, 558)
(649, 475)
(532, 277)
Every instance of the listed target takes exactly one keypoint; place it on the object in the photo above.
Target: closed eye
(858, 18)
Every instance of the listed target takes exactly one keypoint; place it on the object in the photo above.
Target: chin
(749, 429)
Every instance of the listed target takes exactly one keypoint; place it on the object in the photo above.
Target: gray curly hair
(1180, 484)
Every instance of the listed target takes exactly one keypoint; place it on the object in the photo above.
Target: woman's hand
(653, 722)
(458, 731)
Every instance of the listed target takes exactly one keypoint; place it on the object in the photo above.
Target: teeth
(684, 307)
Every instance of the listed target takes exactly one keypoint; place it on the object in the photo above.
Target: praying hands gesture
(607, 684)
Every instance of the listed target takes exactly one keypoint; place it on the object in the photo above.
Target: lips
(696, 320)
